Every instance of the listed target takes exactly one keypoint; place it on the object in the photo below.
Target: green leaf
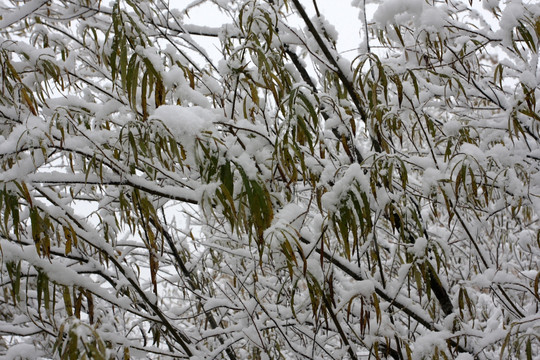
(67, 301)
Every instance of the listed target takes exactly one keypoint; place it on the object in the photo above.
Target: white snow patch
(464, 356)
(23, 11)
(22, 351)
(430, 180)
(419, 247)
(185, 122)
(434, 17)
(390, 10)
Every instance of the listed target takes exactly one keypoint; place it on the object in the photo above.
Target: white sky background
(340, 13)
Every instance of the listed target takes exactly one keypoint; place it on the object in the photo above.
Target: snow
(474, 152)
(175, 78)
(430, 180)
(490, 5)
(183, 122)
(464, 356)
(247, 164)
(352, 175)
(397, 10)
(23, 351)
(419, 247)
(22, 12)
(425, 344)
(434, 18)
(511, 15)
(365, 288)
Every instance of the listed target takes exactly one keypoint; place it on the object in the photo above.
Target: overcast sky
(339, 13)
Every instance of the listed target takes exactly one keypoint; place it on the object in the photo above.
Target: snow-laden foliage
(276, 201)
